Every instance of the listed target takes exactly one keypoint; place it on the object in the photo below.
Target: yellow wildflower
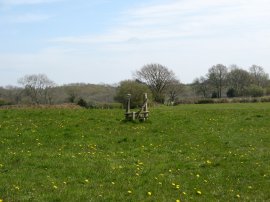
(149, 193)
(129, 191)
(199, 192)
(178, 200)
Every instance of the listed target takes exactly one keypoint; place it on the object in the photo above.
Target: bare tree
(201, 86)
(157, 77)
(259, 77)
(173, 90)
(37, 87)
(238, 80)
(217, 76)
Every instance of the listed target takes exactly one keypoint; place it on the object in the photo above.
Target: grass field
(187, 153)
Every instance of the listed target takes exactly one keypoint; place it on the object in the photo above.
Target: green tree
(255, 91)
(136, 90)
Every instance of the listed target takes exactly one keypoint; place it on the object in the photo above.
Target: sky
(106, 41)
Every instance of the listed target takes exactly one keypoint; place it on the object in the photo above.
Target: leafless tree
(173, 90)
(157, 77)
(37, 87)
(259, 77)
(238, 80)
(201, 86)
(217, 76)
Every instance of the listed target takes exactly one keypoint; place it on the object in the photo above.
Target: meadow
(217, 152)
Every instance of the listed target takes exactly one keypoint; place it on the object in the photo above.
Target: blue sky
(105, 41)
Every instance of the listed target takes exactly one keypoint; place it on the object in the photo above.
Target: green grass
(221, 151)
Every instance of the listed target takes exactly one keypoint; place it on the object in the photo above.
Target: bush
(136, 90)
(265, 99)
(205, 101)
(254, 91)
(4, 102)
(81, 102)
(221, 100)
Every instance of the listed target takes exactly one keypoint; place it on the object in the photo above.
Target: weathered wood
(142, 114)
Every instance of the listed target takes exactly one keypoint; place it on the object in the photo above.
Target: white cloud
(188, 36)
(186, 18)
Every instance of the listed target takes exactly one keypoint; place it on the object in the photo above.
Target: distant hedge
(98, 105)
(4, 102)
(222, 100)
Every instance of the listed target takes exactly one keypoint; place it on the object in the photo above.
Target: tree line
(221, 81)
(157, 80)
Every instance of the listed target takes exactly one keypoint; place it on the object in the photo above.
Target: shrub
(255, 91)
(81, 102)
(265, 99)
(205, 101)
(222, 100)
(4, 102)
(136, 90)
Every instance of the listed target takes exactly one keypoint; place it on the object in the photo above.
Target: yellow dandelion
(199, 192)
(1, 200)
(129, 191)
(173, 184)
(149, 193)
(197, 175)
(113, 183)
(208, 161)
(238, 196)
(178, 186)
(55, 187)
(86, 180)
(184, 193)
(65, 182)
(178, 200)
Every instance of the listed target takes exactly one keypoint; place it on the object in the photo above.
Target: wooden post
(128, 103)
(145, 100)
(133, 116)
(142, 114)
